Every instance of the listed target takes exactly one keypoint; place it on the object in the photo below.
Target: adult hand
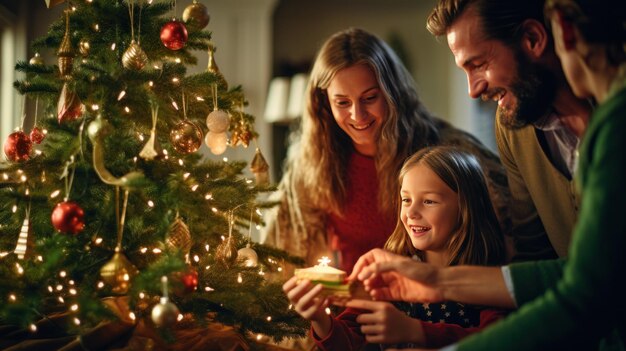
(385, 324)
(388, 276)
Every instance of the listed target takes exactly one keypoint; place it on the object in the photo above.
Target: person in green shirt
(574, 303)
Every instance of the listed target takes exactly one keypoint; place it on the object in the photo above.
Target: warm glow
(324, 261)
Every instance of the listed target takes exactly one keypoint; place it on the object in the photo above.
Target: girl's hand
(385, 324)
(306, 300)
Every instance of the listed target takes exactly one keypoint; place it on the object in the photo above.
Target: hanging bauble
(174, 35)
(66, 53)
(37, 60)
(17, 146)
(84, 47)
(134, 57)
(218, 121)
(216, 142)
(24, 240)
(212, 68)
(68, 217)
(226, 252)
(189, 281)
(69, 107)
(260, 168)
(248, 256)
(244, 138)
(186, 137)
(37, 135)
(164, 313)
(179, 236)
(196, 16)
(117, 273)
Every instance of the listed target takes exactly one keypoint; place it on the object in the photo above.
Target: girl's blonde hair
(325, 148)
(478, 239)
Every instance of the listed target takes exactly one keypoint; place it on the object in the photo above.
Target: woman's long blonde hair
(325, 149)
(478, 239)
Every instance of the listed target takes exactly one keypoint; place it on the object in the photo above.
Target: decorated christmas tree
(115, 230)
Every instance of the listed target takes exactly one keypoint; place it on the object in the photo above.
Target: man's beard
(534, 89)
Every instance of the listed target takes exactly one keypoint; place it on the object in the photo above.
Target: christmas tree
(109, 215)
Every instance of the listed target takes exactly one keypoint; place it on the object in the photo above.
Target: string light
(150, 203)
(269, 318)
(19, 268)
(327, 310)
(55, 193)
(208, 196)
(175, 80)
(50, 289)
(206, 247)
(142, 295)
(141, 137)
(14, 208)
(259, 336)
(156, 251)
(73, 291)
(177, 60)
(74, 307)
(121, 95)
(71, 282)
(280, 269)
(248, 181)
(62, 274)
(144, 250)
(225, 159)
(215, 210)
(76, 321)
(194, 188)
(199, 98)
(113, 47)
(59, 287)
(151, 84)
(40, 258)
(32, 328)
(12, 298)
(127, 109)
(132, 316)
(186, 175)
(196, 258)
(61, 300)
(98, 241)
(208, 289)
(100, 285)
(180, 317)
(23, 178)
(96, 27)
(5, 176)
(95, 107)
(239, 278)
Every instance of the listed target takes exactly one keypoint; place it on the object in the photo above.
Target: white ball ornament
(216, 142)
(218, 121)
(248, 256)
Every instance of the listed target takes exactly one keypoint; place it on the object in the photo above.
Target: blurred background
(268, 46)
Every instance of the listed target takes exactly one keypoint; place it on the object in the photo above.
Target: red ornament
(189, 280)
(36, 135)
(17, 146)
(174, 35)
(67, 217)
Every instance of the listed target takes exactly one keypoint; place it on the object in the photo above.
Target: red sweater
(362, 226)
(345, 332)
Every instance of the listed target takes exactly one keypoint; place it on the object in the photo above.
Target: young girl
(446, 218)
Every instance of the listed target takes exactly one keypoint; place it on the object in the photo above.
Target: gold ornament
(186, 137)
(212, 68)
(218, 121)
(248, 256)
(217, 142)
(37, 60)
(97, 130)
(164, 313)
(134, 57)
(226, 251)
(179, 236)
(153, 148)
(260, 168)
(69, 107)
(84, 47)
(196, 16)
(24, 245)
(50, 3)
(245, 137)
(118, 272)
(65, 53)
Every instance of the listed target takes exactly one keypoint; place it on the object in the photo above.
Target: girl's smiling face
(429, 211)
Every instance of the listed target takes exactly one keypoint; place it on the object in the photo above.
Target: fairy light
(208, 196)
(38, 152)
(144, 250)
(71, 282)
(23, 178)
(186, 175)
(126, 109)
(73, 291)
(5, 176)
(76, 321)
(132, 316)
(180, 317)
(40, 258)
(27, 192)
(100, 285)
(208, 289)
(258, 211)
(150, 84)
(175, 80)
(259, 336)
(96, 27)
(207, 267)
(258, 227)
(223, 237)
(290, 307)
(61, 300)
(261, 272)
(269, 318)
(62, 274)
(248, 181)
(126, 277)
(135, 159)
(113, 47)
(73, 8)
(59, 287)
(19, 268)
(215, 210)
(327, 310)
(239, 278)
(206, 247)
(121, 95)
(177, 60)
(50, 289)
(3, 254)
(280, 269)
(90, 1)
(32, 327)
(165, 153)
(141, 137)
(199, 98)
(180, 162)
(156, 66)
(225, 159)
(14, 208)
(196, 258)
(150, 203)
(12, 298)
(98, 241)
(195, 187)
(95, 107)
(156, 250)
(74, 307)
(55, 193)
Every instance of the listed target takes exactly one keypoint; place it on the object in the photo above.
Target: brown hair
(501, 19)
(325, 148)
(478, 239)
(599, 22)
